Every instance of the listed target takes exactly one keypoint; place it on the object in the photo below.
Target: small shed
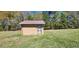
(32, 27)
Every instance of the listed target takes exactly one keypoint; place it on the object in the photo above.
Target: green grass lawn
(50, 39)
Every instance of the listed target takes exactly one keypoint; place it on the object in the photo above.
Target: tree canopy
(9, 20)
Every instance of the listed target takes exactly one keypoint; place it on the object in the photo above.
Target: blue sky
(36, 12)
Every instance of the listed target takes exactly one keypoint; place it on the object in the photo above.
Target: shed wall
(31, 31)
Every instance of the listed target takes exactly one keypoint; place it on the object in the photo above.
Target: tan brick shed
(32, 27)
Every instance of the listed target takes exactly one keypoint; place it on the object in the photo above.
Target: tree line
(9, 20)
(54, 19)
(61, 20)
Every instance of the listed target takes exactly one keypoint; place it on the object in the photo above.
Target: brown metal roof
(33, 22)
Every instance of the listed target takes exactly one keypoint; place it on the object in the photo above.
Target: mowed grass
(68, 38)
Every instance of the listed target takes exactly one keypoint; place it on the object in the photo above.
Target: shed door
(39, 29)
